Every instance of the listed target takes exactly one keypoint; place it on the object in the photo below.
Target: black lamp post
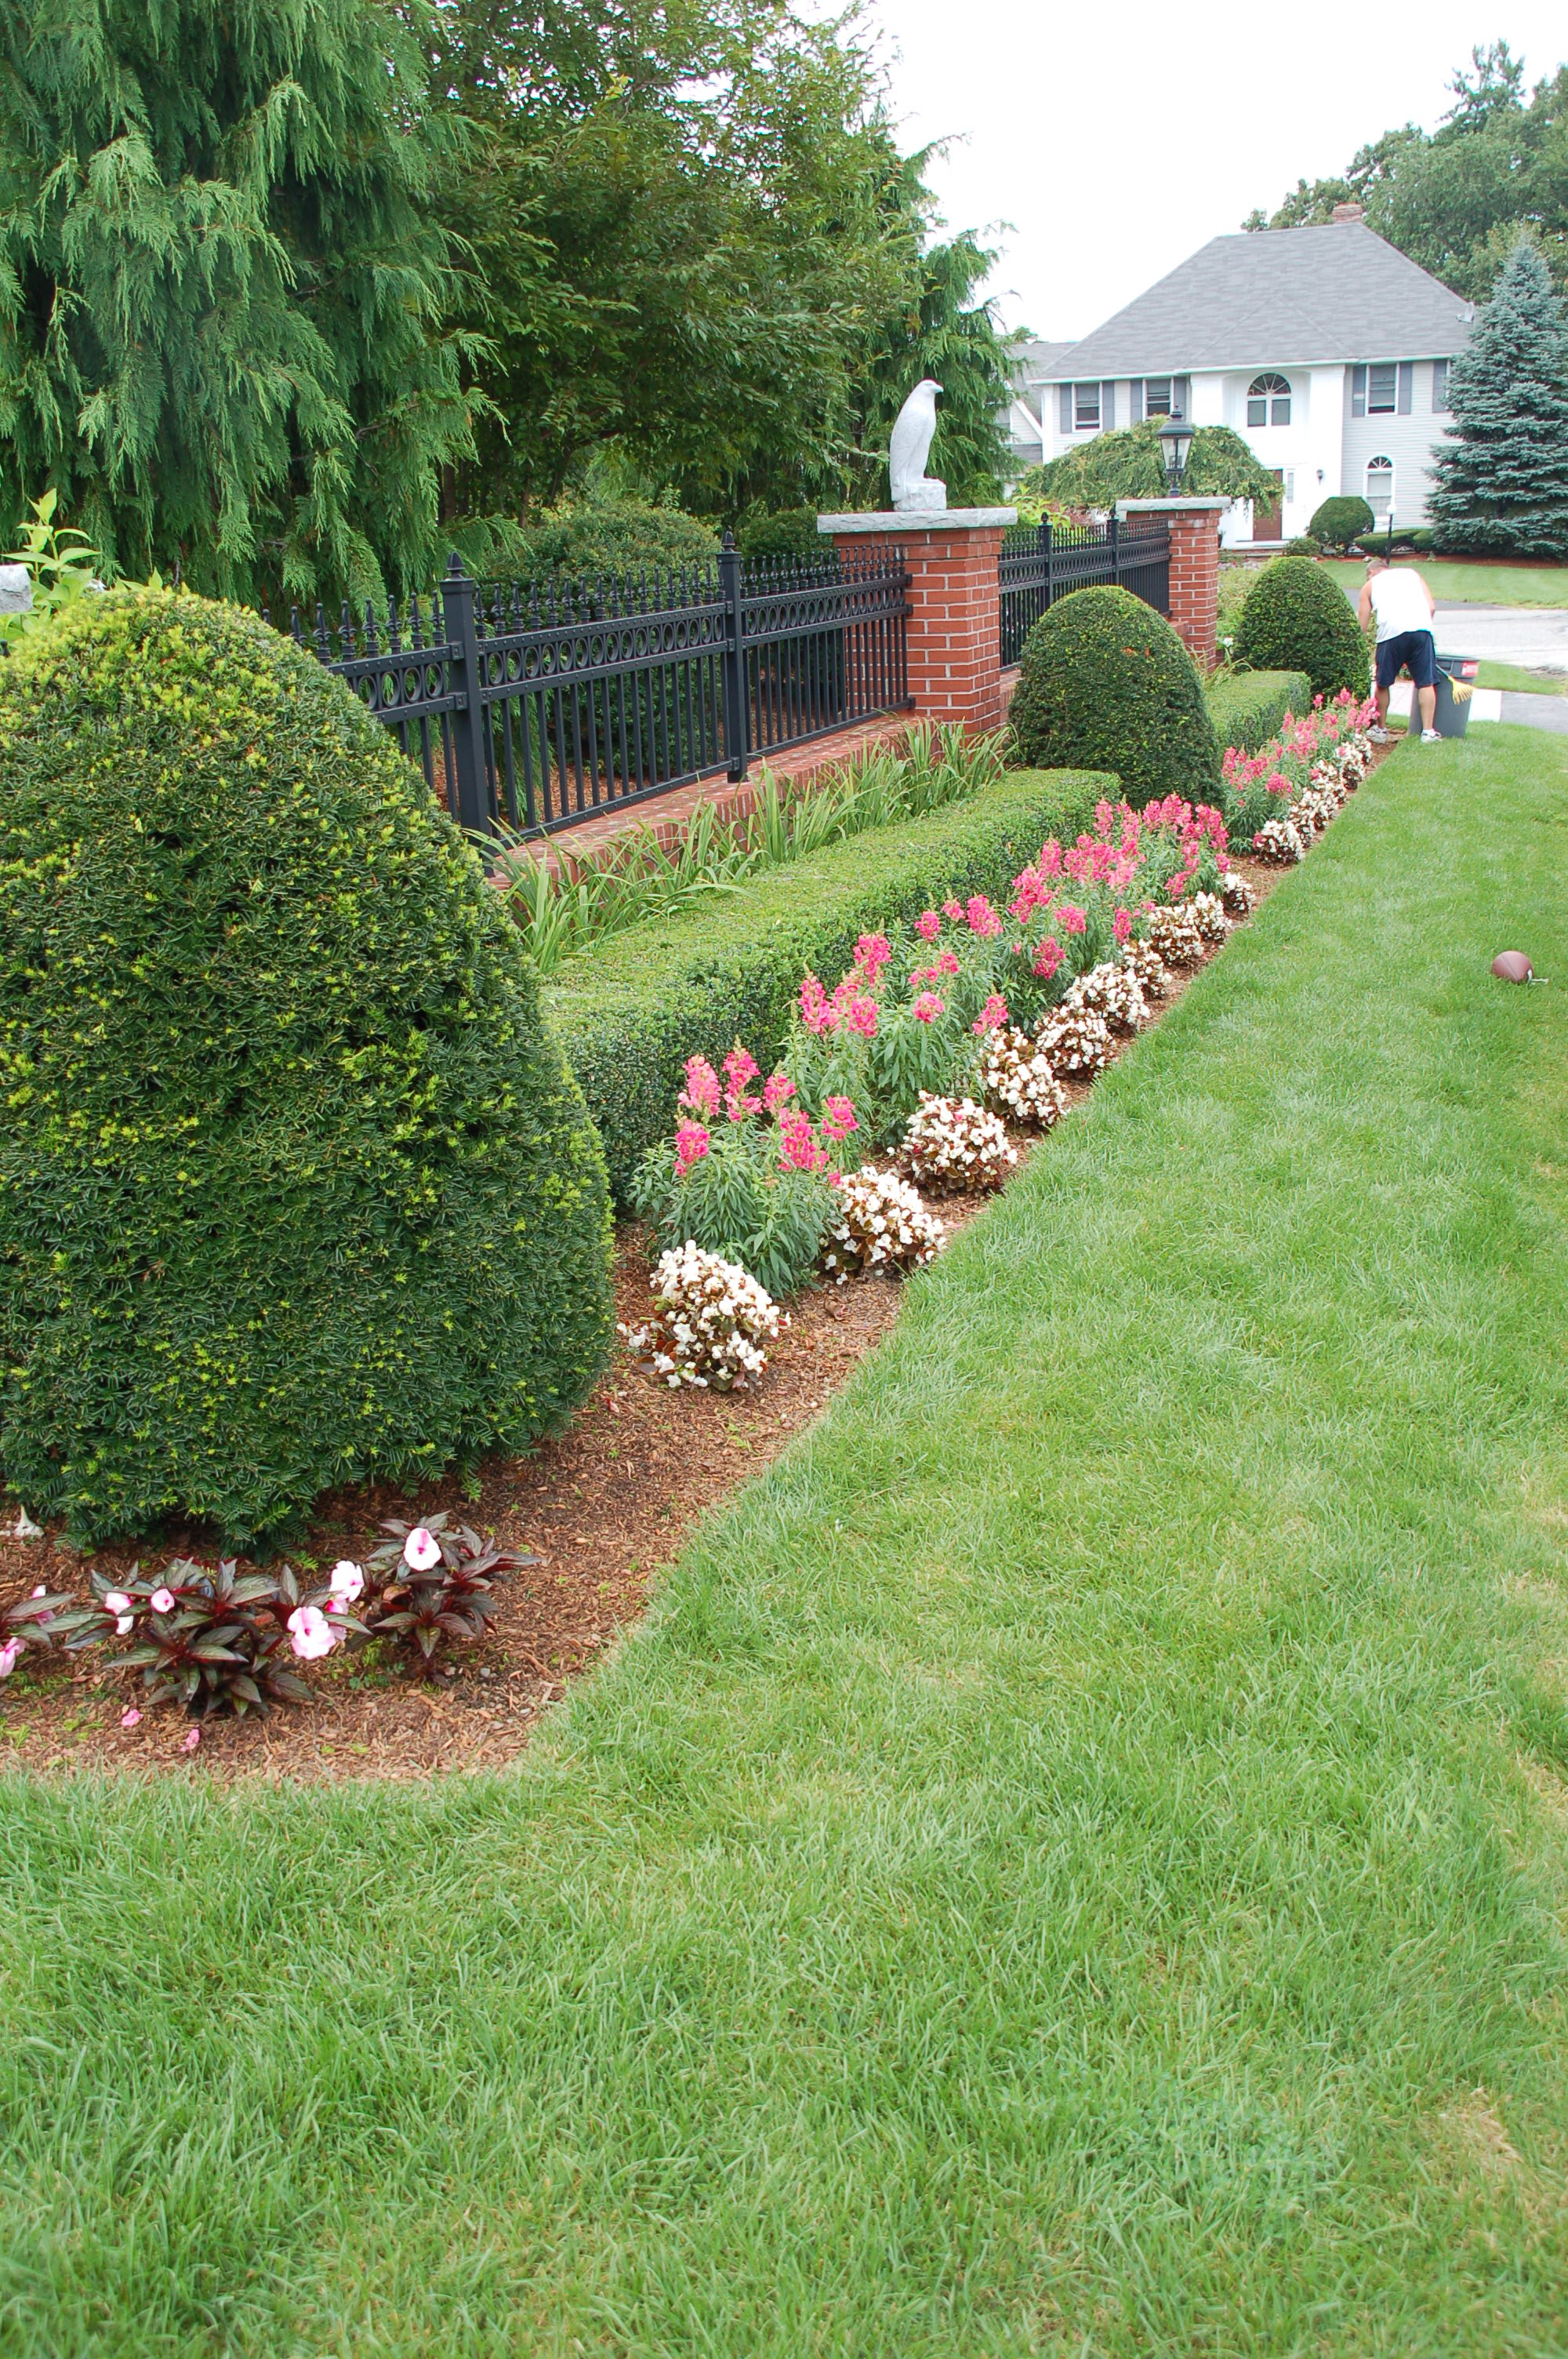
(1175, 440)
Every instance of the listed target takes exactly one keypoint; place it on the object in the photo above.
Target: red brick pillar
(1195, 569)
(955, 602)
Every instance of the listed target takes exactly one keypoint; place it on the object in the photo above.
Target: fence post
(1045, 544)
(736, 747)
(1115, 549)
(469, 792)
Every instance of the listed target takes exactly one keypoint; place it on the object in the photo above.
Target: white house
(1326, 349)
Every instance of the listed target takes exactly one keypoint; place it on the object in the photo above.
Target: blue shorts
(1412, 648)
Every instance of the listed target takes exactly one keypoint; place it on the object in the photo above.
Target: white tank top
(1399, 601)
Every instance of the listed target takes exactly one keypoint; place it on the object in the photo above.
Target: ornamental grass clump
(710, 1325)
(754, 1187)
(296, 1190)
(952, 1143)
(880, 1225)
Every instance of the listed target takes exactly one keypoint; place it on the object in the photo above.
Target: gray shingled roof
(1034, 361)
(1340, 293)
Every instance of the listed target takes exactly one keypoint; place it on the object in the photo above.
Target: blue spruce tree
(1502, 481)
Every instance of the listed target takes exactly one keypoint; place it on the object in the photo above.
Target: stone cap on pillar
(1211, 505)
(887, 520)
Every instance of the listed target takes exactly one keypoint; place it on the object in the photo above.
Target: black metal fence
(544, 704)
(1042, 562)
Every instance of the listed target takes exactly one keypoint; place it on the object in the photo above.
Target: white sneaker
(1432, 738)
(1380, 735)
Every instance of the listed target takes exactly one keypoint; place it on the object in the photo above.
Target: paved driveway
(1534, 637)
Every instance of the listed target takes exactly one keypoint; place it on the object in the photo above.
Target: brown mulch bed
(605, 1506)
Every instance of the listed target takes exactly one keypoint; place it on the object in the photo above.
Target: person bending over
(1404, 607)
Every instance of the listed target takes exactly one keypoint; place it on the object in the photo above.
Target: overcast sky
(1116, 139)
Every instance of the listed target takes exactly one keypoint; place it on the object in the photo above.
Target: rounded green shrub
(1337, 522)
(1295, 617)
(295, 1190)
(1106, 684)
(614, 537)
(1303, 545)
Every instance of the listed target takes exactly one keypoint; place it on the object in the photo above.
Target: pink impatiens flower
(191, 1740)
(162, 1601)
(130, 1717)
(310, 1634)
(346, 1582)
(928, 1008)
(839, 1117)
(116, 1602)
(8, 1655)
(421, 1550)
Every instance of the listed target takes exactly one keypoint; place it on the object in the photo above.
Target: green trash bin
(1452, 714)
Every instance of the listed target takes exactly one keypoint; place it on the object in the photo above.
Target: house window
(1438, 385)
(1268, 400)
(1086, 408)
(1382, 388)
(1156, 396)
(1380, 486)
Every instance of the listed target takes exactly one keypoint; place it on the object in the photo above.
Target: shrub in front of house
(1303, 545)
(1297, 618)
(296, 1188)
(1337, 522)
(615, 539)
(1106, 684)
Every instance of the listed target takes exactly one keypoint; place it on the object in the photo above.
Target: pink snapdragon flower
(838, 1118)
(1122, 924)
(310, 1634)
(928, 1008)
(862, 1016)
(163, 1601)
(1071, 918)
(983, 920)
(421, 1550)
(701, 1093)
(798, 1147)
(815, 1012)
(739, 1068)
(946, 961)
(692, 1143)
(777, 1090)
(992, 1016)
(928, 924)
(1048, 957)
(872, 952)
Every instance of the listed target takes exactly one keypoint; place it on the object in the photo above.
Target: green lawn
(1483, 585)
(1077, 1861)
(1529, 683)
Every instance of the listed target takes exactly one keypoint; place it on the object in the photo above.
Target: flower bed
(396, 1613)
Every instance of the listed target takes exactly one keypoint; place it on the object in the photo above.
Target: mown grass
(1479, 584)
(1528, 683)
(1075, 1865)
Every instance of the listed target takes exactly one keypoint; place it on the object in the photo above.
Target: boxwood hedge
(295, 1188)
(1106, 684)
(629, 1012)
(1248, 707)
(1297, 618)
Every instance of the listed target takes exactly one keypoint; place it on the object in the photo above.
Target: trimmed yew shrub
(1296, 618)
(295, 1188)
(1106, 684)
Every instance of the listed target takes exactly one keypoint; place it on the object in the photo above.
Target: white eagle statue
(910, 448)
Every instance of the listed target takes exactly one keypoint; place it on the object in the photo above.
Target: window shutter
(1108, 402)
(1181, 396)
(1438, 385)
(1135, 401)
(1067, 412)
(1359, 392)
(1407, 386)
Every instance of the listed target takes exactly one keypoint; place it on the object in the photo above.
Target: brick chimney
(1348, 212)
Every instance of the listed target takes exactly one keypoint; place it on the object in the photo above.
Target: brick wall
(1194, 584)
(955, 618)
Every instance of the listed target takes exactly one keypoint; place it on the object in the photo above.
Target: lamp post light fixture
(1175, 440)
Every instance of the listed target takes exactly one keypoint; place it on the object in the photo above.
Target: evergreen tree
(1502, 480)
(224, 299)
